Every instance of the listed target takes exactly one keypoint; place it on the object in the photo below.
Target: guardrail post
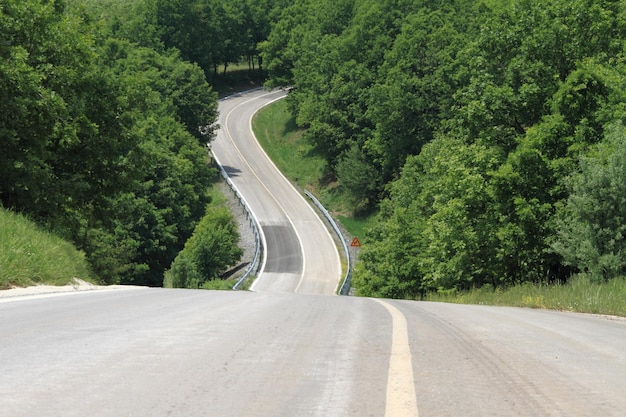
(345, 286)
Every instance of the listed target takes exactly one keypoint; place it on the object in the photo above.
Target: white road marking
(401, 398)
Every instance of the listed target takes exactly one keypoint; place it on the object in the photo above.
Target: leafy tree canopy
(462, 122)
(105, 112)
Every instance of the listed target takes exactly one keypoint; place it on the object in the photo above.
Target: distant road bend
(301, 255)
(291, 348)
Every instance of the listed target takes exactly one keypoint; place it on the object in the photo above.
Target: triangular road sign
(355, 242)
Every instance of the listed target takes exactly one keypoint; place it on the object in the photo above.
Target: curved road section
(300, 254)
(149, 352)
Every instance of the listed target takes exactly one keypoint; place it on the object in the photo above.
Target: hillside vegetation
(30, 255)
(489, 136)
(284, 143)
(106, 108)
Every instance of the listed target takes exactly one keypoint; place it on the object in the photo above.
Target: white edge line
(227, 132)
(258, 226)
(338, 258)
(293, 226)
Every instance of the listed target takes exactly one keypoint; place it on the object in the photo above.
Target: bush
(592, 225)
(213, 247)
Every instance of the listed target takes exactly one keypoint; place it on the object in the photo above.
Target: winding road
(300, 254)
(290, 348)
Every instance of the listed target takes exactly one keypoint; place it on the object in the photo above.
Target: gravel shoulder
(244, 224)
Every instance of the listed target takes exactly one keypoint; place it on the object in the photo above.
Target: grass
(579, 294)
(218, 285)
(357, 226)
(30, 255)
(285, 144)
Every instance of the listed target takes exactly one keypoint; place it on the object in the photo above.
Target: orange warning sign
(355, 242)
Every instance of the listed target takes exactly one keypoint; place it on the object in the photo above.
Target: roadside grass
(218, 284)
(284, 143)
(579, 294)
(31, 256)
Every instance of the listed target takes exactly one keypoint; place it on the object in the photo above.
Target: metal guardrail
(345, 286)
(253, 267)
(255, 264)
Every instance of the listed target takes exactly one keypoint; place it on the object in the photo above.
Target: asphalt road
(300, 255)
(165, 352)
(158, 352)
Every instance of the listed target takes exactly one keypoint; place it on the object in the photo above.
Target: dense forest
(106, 107)
(489, 136)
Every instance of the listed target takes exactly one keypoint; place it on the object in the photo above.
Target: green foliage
(481, 128)
(45, 61)
(579, 294)
(210, 250)
(436, 230)
(30, 255)
(103, 140)
(465, 119)
(388, 262)
(167, 177)
(592, 225)
(360, 178)
(414, 90)
(213, 33)
(182, 274)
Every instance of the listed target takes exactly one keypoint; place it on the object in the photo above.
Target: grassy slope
(283, 142)
(29, 255)
(578, 295)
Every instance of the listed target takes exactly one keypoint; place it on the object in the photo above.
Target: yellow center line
(401, 399)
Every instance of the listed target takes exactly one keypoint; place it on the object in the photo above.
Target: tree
(436, 231)
(413, 94)
(470, 117)
(97, 136)
(181, 85)
(360, 178)
(214, 33)
(282, 47)
(523, 206)
(530, 186)
(46, 55)
(210, 250)
(591, 234)
(169, 196)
